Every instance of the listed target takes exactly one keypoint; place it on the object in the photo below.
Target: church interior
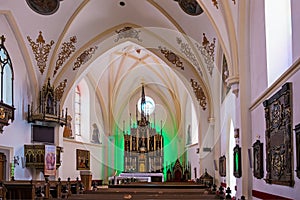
(191, 97)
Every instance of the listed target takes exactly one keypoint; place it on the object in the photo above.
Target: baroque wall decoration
(45, 7)
(66, 50)
(207, 50)
(297, 132)
(258, 162)
(199, 93)
(215, 2)
(186, 50)
(84, 57)
(41, 51)
(190, 7)
(279, 138)
(172, 57)
(128, 32)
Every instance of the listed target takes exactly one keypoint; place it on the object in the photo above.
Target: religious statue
(95, 135)
(68, 128)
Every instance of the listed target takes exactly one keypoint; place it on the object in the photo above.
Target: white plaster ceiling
(94, 21)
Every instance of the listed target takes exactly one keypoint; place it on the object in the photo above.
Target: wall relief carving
(279, 141)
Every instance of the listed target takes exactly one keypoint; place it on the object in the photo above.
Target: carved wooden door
(2, 166)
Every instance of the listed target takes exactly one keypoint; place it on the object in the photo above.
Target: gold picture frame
(82, 159)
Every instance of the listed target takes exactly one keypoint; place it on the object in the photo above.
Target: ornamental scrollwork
(66, 50)
(172, 57)
(84, 57)
(200, 95)
(128, 32)
(41, 51)
(187, 51)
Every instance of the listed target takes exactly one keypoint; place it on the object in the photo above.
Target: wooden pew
(3, 191)
(19, 190)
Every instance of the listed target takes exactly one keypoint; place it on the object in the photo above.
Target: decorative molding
(84, 57)
(172, 57)
(41, 51)
(208, 52)
(199, 93)
(128, 32)
(186, 50)
(66, 50)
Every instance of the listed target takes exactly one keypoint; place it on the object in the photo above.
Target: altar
(138, 177)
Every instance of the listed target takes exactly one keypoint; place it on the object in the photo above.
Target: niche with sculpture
(279, 138)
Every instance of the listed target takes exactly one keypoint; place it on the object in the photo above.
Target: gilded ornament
(41, 51)
(172, 57)
(2, 113)
(84, 57)
(66, 50)
(200, 95)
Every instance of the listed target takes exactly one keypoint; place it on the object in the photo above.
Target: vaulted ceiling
(123, 43)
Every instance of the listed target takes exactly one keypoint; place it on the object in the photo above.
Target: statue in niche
(189, 139)
(95, 135)
(68, 128)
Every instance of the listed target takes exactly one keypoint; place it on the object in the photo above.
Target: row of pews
(25, 189)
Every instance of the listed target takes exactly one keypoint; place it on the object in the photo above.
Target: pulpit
(86, 179)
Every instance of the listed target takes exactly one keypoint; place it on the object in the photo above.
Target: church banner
(50, 160)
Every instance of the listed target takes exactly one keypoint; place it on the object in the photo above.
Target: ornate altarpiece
(143, 147)
(279, 138)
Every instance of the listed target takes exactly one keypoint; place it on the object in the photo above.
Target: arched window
(6, 86)
(230, 178)
(278, 37)
(77, 104)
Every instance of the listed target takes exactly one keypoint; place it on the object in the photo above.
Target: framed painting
(279, 137)
(258, 168)
(222, 166)
(237, 162)
(297, 132)
(82, 159)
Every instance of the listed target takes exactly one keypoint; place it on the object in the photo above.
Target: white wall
(68, 167)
